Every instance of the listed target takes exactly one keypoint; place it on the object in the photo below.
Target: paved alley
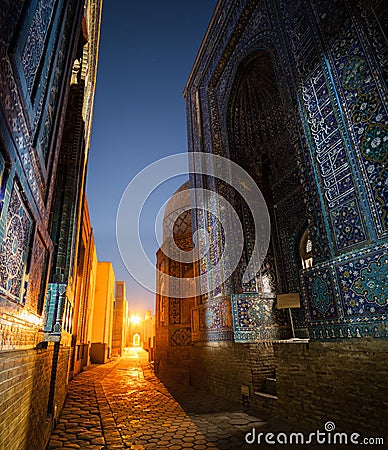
(122, 404)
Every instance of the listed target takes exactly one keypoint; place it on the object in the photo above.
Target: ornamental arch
(259, 140)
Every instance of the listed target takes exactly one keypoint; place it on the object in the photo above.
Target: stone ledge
(266, 396)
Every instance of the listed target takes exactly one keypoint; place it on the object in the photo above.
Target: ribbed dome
(180, 202)
(177, 215)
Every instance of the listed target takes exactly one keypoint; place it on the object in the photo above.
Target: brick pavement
(122, 404)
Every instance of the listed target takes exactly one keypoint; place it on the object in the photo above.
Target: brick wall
(174, 363)
(61, 382)
(344, 382)
(223, 367)
(24, 392)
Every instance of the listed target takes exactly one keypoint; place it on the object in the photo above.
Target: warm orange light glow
(135, 319)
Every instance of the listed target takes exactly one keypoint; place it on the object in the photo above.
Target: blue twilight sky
(147, 51)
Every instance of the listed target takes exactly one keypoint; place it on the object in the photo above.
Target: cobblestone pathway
(122, 404)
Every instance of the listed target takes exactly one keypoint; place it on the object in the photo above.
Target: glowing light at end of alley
(135, 319)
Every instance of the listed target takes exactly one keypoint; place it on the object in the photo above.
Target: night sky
(146, 54)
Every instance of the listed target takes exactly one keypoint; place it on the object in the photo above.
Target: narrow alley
(122, 404)
(193, 224)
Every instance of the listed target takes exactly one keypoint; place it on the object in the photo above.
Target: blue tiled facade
(329, 85)
(37, 45)
(44, 140)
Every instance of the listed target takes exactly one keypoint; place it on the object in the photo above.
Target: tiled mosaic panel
(216, 248)
(26, 131)
(300, 322)
(33, 53)
(37, 275)
(348, 297)
(45, 133)
(10, 101)
(256, 318)
(175, 310)
(318, 289)
(215, 319)
(317, 124)
(349, 330)
(2, 181)
(347, 223)
(298, 28)
(180, 337)
(291, 223)
(59, 312)
(363, 91)
(33, 49)
(335, 331)
(52, 305)
(364, 287)
(331, 160)
(249, 240)
(35, 40)
(15, 247)
(373, 18)
(299, 56)
(211, 224)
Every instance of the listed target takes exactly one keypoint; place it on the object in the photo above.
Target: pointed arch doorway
(262, 140)
(136, 341)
